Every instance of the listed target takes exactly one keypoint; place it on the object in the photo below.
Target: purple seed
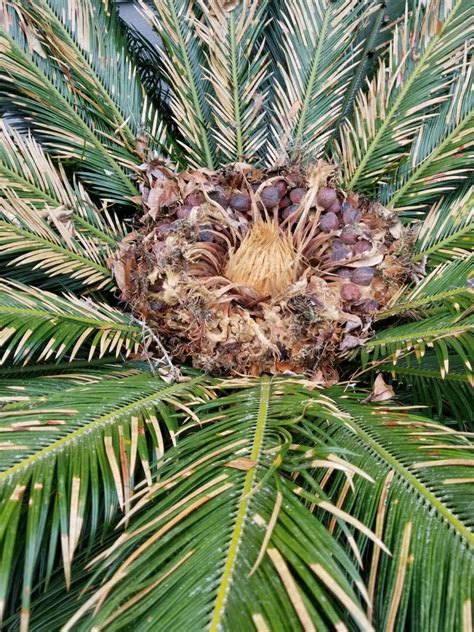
(182, 212)
(349, 235)
(344, 273)
(326, 197)
(282, 188)
(340, 253)
(328, 222)
(350, 215)
(350, 292)
(335, 207)
(219, 196)
(367, 307)
(284, 202)
(361, 246)
(270, 197)
(296, 195)
(194, 199)
(241, 202)
(290, 210)
(363, 276)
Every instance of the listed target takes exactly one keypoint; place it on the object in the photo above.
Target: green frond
(39, 325)
(221, 540)
(410, 82)
(317, 49)
(448, 285)
(236, 69)
(442, 154)
(374, 35)
(183, 61)
(447, 231)
(69, 460)
(448, 395)
(89, 38)
(37, 88)
(421, 508)
(445, 333)
(29, 173)
(57, 248)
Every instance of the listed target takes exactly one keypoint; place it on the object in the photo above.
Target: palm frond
(316, 40)
(442, 154)
(37, 87)
(424, 53)
(448, 230)
(28, 172)
(448, 285)
(66, 469)
(183, 60)
(421, 508)
(41, 325)
(448, 395)
(445, 333)
(236, 68)
(220, 539)
(26, 239)
(374, 36)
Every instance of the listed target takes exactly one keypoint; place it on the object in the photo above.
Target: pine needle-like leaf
(423, 54)
(316, 40)
(41, 82)
(448, 230)
(442, 155)
(69, 461)
(41, 325)
(183, 60)
(236, 69)
(424, 479)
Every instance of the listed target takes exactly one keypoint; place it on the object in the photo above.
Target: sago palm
(236, 318)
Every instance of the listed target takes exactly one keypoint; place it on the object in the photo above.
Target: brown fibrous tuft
(245, 271)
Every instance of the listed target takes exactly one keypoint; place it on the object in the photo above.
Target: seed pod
(182, 212)
(350, 292)
(339, 254)
(348, 235)
(344, 273)
(360, 247)
(284, 202)
(350, 215)
(254, 186)
(194, 199)
(240, 202)
(219, 196)
(328, 222)
(162, 229)
(282, 188)
(363, 276)
(367, 307)
(270, 197)
(289, 210)
(326, 197)
(335, 207)
(296, 195)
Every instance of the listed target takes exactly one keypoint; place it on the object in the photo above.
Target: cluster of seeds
(247, 271)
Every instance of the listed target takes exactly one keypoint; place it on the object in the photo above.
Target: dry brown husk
(257, 289)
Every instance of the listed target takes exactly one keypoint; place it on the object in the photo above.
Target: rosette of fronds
(236, 327)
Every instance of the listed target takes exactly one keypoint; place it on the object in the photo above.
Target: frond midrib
(28, 313)
(239, 526)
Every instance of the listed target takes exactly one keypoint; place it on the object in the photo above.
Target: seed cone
(234, 283)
